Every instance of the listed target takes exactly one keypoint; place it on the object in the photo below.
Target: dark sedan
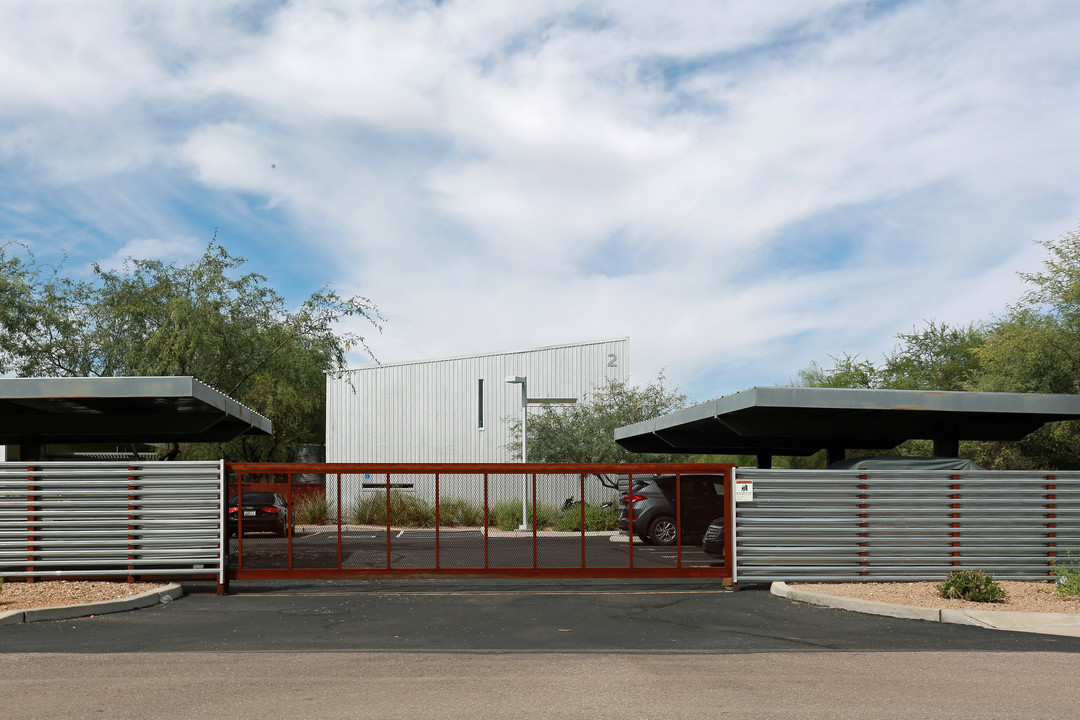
(262, 512)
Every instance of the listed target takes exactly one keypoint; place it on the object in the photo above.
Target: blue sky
(740, 187)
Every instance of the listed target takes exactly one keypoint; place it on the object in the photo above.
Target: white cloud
(734, 185)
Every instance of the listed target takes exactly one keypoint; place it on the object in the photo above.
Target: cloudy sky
(740, 186)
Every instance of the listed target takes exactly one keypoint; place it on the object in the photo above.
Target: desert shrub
(314, 510)
(1068, 576)
(458, 512)
(597, 518)
(506, 515)
(973, 585)
(405, 510)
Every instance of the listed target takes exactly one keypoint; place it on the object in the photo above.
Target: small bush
(973, 585)
(1068, 577)
(506, 515)
(405, 510)
(597, 518)
(457, 512)
(314, 510)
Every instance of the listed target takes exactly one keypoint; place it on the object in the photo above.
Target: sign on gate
(744, 490)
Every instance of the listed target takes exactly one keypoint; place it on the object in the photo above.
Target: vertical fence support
(388, 563)
(239, 521)
(131, 522)
(31, 520)
(437, 522)
(630, 518)
(487, 521)
(289, 517)
(533, 523)
(1051, 521)
(678, 520)
(223, 529)
(337, 507)
(864, 525)
(957, 561)
(582, 503)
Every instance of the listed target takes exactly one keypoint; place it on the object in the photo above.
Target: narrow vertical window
(480, 404)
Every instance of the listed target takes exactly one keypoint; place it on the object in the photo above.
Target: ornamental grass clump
(405, 510)
(973, 585)
(458, 512)
(1068, 577)
(506, 515)
(597, 518)
(314, 510)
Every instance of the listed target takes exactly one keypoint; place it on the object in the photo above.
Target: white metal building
(456, 409)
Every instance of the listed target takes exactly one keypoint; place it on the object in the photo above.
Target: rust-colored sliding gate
(504, 520)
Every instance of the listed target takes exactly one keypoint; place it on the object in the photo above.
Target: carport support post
(947, 446)
(764, 461)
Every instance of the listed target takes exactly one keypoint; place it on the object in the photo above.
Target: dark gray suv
(652, 501)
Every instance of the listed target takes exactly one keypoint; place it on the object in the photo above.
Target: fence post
(955, 524)
(31, 521)
(1051, 517)
(864, 526)
(131, 522)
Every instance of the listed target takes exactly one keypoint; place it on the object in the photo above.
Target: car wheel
(662, 531)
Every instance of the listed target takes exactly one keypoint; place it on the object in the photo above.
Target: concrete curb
(1045, 623)
(165, 594)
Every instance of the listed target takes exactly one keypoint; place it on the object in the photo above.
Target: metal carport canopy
(121, 410)
(801, 421)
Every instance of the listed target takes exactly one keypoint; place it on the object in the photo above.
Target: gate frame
(724, 571)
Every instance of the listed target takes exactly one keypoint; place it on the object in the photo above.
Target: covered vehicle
(651, 503)
(905, 462)
(262, 512)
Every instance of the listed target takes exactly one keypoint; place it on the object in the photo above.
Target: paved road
(507, 616)
(524, 649)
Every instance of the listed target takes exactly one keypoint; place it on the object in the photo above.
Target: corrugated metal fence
(830, 525)
(104, 519)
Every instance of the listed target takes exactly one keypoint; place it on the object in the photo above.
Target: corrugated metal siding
(428, 411)
(110, 519)
(904, 525)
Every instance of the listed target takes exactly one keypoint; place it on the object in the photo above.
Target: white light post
(518, 380)
(526, 401)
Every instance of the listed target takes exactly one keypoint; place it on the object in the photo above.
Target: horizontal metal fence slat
(829, 525)
(109, 519)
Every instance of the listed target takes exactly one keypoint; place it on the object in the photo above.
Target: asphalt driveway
(504, 616)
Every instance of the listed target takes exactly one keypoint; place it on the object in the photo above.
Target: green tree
(206, 319)
(847, 371)
(1035, 348)
(585, 432)
(936, 357)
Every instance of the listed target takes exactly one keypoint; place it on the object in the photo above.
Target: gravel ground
(50, 593)
(1019, 596)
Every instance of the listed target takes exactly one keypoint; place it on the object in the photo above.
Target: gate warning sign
(744, 491)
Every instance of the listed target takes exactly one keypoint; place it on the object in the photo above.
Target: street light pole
(519, 380)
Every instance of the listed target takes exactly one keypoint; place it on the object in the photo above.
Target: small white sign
(744, 491)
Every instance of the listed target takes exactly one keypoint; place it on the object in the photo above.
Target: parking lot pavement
(503, 616)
